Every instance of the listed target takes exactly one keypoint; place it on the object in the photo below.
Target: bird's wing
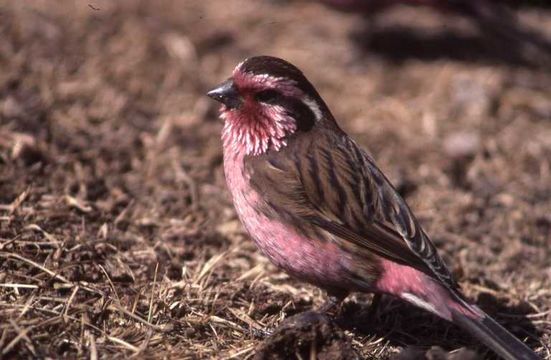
(328, 182)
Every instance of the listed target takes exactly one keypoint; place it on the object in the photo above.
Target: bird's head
(264, 102)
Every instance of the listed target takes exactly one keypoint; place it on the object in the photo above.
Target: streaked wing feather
(327, 181)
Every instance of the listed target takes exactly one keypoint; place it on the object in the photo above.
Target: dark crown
(276, 67)
(259, 65)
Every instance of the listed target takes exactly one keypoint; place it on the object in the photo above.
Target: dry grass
(117, 236)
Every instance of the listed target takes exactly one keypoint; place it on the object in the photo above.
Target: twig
(36, 265)
(110, 283)
(152, 293)
(123, 343)
(93, 350)
(134, 316)
(21, 286)
(21, 334)
(241, 352)
(68, 305)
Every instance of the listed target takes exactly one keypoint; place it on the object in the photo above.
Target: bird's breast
(313, 260)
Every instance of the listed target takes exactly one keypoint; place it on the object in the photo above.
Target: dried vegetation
(117, 236)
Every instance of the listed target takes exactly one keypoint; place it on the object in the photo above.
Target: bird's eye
(267, 96)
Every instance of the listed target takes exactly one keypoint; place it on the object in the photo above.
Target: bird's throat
(256, 132)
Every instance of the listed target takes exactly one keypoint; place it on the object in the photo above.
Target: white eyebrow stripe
(238, 67)
(312, 105)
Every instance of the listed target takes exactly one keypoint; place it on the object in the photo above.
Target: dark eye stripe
(268, 96)
(296, 108)
(301, 112)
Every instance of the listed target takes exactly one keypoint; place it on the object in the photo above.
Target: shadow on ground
(400, 43)
(400, 324)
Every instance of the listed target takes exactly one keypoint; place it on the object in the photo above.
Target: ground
(117, 234)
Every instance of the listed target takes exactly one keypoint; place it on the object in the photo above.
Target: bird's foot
(324, 314)
(332, 305)
(261, 333)
(305, 319)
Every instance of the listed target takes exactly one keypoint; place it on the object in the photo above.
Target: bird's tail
(493, 335)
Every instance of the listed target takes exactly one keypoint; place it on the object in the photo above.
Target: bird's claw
(261, 333)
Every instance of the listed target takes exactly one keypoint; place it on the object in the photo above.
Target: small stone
(462, 144)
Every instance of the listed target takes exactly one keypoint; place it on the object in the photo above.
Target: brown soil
(118, 237)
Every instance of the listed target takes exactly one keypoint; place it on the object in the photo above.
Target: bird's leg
(333, 302)
(375, 302)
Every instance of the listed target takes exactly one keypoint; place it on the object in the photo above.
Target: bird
(316, 204)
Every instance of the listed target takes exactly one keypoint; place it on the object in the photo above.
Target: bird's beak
(227, 94)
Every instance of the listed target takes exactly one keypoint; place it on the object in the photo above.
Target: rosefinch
(317, 205)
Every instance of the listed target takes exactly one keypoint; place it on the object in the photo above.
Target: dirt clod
(307, 335)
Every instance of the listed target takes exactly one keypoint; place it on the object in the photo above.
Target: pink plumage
(319, 208)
